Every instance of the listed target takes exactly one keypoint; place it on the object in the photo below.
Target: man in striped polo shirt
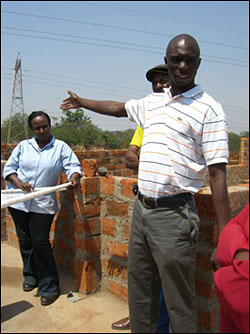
(185, 134)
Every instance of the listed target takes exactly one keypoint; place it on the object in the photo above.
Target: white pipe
(33, 194)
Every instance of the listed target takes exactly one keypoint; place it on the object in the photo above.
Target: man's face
(183, 62)
(160, 81)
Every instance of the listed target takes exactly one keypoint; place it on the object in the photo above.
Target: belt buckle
(148, 206)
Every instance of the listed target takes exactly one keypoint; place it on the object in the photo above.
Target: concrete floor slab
(21, 312)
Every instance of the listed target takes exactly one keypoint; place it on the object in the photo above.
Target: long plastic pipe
(37, 192)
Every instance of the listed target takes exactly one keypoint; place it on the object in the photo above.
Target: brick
(89, 154)
(64, 214)
(85, 276)
(244, 197)
(92, 209)
(108, 226)
(59, 259)
(83, 225)
(121, 166)
(114, 269)
(89, 185)
(79, 155)
(117, 249)
(204, 262)
(112, 153)
(116, 160)
(64, 247)
(64, 178)
(107, 185)
(69, 194)
(92, 245)
(117, 209)
(127, 173)
(209, 319)
(118, 290)
(127, 187)
(205, 205)
(69, 265)
(100, 153)
(10, 223)
(121, 153)
(204, 289)
(235, 202)
(89, 167)
(209, 235)
(111, 167)
(126, 232)
(68, 231)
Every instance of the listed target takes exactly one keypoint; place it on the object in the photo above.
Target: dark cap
(157, 69)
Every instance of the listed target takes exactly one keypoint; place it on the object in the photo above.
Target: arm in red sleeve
(234, 236)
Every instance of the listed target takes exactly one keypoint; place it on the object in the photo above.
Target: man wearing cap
(185, 135)
(158, 76)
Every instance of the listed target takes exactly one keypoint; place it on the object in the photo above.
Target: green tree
(244, 134)
(17, 133)
(234, 142)
(75, 128)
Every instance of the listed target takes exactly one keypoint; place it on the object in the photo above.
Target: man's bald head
(181, 41)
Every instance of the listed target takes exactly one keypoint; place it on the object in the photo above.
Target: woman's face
(41, 128)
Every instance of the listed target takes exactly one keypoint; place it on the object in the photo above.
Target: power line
(116, 27)
(225, 106)
(112, 46)
(84, 80)
(160, 16)
(112, 41)
(79, 88)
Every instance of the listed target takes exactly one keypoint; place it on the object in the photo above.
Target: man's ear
(199, 62)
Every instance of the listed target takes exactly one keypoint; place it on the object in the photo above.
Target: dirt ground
(21, 312)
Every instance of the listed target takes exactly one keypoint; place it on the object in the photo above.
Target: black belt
(164, 202)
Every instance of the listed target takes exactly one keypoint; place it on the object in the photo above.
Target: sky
(102, 49)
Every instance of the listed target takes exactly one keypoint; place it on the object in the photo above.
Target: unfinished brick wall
(114, 161)
(244, 151)
(90, 233)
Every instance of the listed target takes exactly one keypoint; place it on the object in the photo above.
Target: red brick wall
(114, 161)
(91, 231)
(244, 151)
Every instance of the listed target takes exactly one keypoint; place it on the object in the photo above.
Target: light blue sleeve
(70, 163)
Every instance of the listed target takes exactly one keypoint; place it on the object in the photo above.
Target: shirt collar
(33, 142)
(188, 94)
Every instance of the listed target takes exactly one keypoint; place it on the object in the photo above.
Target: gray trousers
(162, 248)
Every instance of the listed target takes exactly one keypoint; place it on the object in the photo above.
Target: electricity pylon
(17, 105)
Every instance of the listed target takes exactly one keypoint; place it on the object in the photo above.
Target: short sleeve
(215, 138)
(136, 110)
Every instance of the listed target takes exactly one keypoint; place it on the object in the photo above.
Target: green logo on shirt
(179, 118)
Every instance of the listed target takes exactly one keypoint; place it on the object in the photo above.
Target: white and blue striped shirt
(182, 136)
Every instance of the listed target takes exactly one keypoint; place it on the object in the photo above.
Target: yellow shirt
(137, 138)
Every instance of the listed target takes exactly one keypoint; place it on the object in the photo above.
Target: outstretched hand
(71, 102)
